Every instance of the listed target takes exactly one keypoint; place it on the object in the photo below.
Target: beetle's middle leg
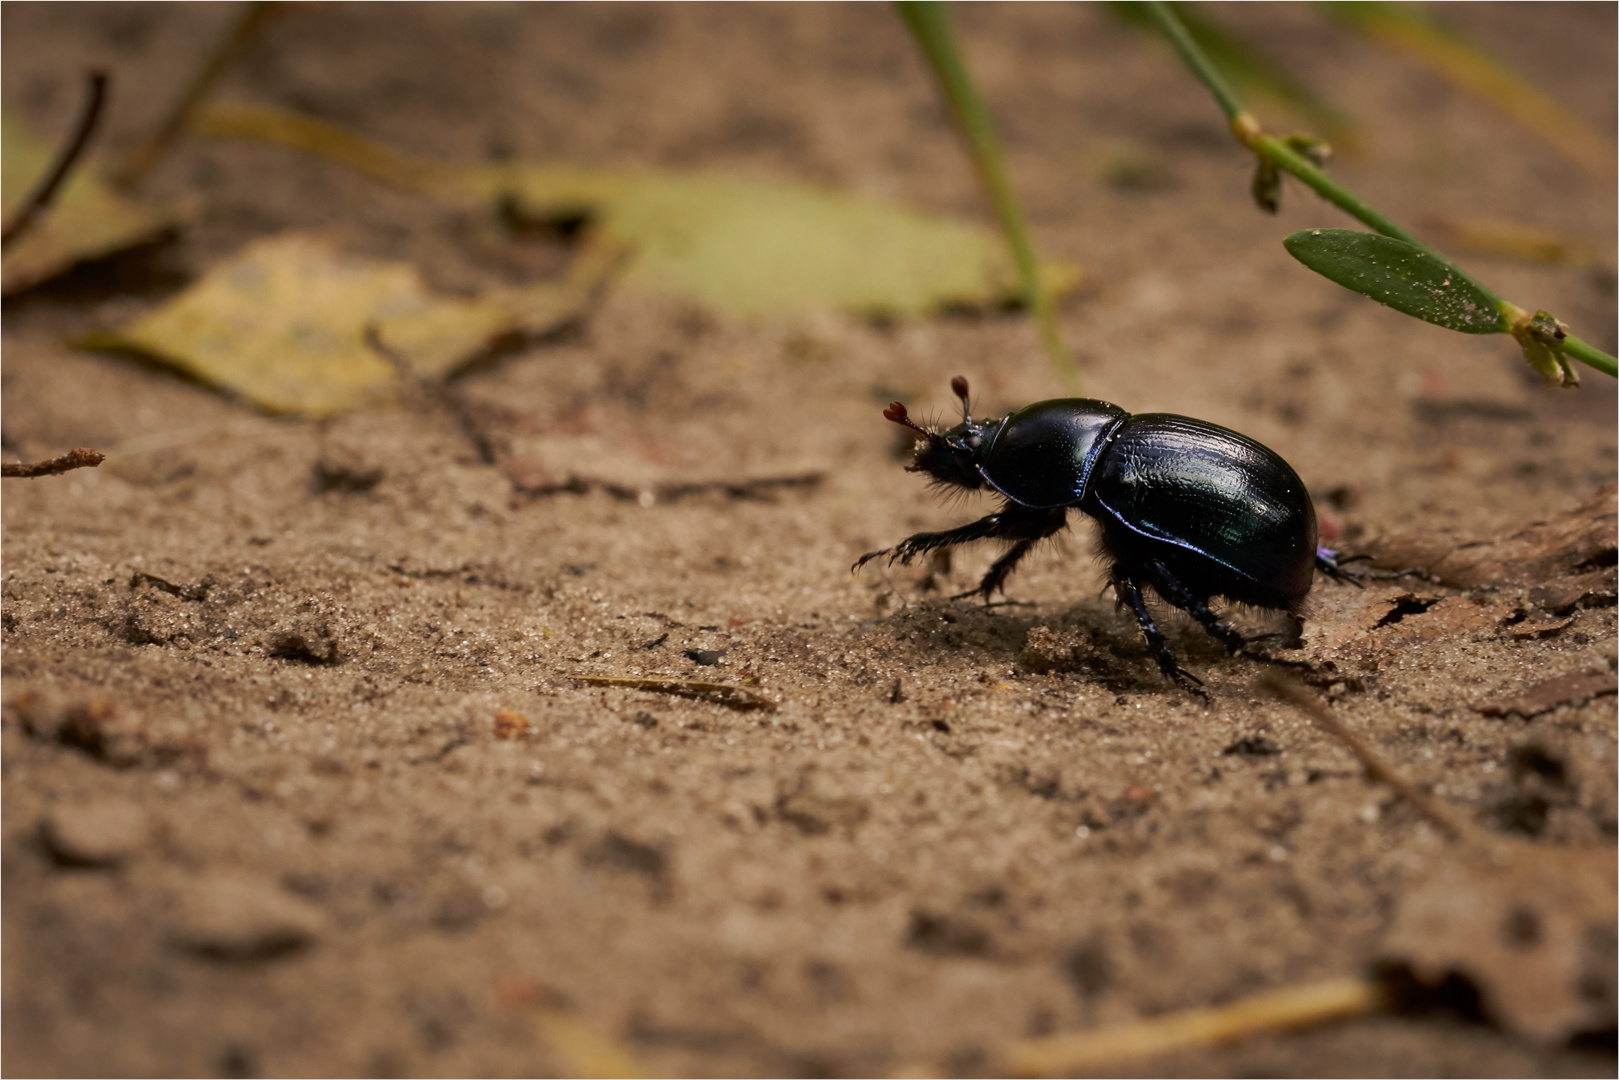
(1171, 589)
(1128, 589)
(1032, 526)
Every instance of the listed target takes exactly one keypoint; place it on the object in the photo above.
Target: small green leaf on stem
(1267, 185)
(1401, 276)
(1543, 337)
(1318, 151)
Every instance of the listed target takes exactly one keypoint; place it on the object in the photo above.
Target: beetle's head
(950, 457)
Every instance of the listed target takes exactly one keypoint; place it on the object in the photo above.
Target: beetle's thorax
(1042, 456)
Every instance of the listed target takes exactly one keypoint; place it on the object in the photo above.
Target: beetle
(1190, 509)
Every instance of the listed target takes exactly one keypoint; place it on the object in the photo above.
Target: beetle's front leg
(1028, 528)
(912, 546)
(1012, 522)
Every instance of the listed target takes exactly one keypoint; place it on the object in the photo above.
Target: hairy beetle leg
(1019, 524)
(867, 557)
(1171, 589)
(1329, 563)
(1128, 590)
(999, 571)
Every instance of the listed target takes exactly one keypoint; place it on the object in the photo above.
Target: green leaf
(745, 246)
(88, 220)
(1402, 276)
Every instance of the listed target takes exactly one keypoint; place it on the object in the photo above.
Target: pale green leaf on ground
(1400, 275)
(294, 325)
(88, 220)
(747, 247)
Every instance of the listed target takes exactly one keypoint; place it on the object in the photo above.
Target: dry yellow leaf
(87, 220)
(294, 325)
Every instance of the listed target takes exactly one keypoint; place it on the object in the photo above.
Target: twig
(1112, 1048)
(930, 26)
(1288, 690)
(1245, 127)
(139, 161)
(82, 458)
(735, 697)
(40, 198)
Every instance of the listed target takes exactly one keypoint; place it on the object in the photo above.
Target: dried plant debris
(87, 219)
(1530, 929)
(81, 457)
(747, 247)
(295, 325)
(1543, 697)
(733, 697)
(1114, 1048)
(1527, 584)
(1567, 558)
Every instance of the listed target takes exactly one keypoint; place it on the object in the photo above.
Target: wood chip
(1546, 696)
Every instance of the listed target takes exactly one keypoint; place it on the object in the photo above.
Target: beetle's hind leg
(1337, 568)
(1128, 589)
(1171, 589)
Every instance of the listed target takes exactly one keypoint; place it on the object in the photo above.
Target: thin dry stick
(1190, 1029)
(731, 696)
(40, 198)
(1275, 1010)
(140, 160)
(1288, 690)
(81, 458)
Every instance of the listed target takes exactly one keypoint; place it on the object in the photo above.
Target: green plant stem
(1172, 28)
(1249, 132)
(1590, 355)
(1306, 170)
(930, 26)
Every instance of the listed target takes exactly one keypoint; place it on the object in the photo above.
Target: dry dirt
(260, 816)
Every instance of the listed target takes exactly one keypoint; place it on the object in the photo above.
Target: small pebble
(236, 917)
(102, 833)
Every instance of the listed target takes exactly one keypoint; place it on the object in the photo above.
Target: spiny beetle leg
(1128, 590)
(1171, 589)
(999, 571)
(983, 529)
(867, 557)
(1338, 569)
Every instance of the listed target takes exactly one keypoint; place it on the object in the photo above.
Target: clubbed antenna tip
(901, 416)
(958, 386)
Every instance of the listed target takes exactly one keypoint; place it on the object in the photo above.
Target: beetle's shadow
(1090, 639)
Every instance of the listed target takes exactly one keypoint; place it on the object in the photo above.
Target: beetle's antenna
(959, 386)
(899, 415)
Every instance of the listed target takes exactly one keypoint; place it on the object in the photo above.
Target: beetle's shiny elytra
(1189, 508)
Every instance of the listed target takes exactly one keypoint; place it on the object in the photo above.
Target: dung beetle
(1192, 509)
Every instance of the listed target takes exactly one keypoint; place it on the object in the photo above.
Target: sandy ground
(260, 817)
